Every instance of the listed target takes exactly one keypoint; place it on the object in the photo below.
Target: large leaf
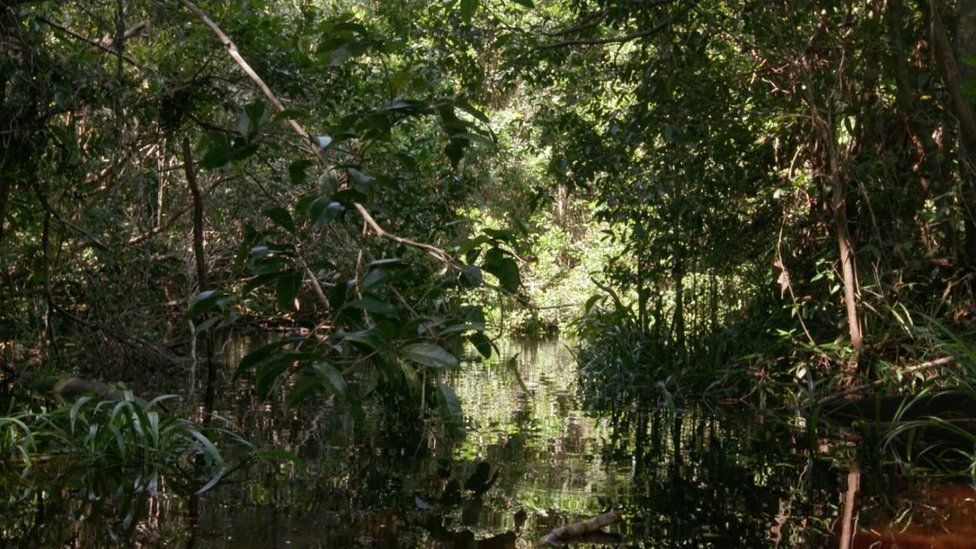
(450, 405)
(205, 302)
(331, 378)
(287, 287)
(429, 354)
(504, 267)
(302, 389)
(373, 306)
(281, 218)
(468, 7)
(481, 343)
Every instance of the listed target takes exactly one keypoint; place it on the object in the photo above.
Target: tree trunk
(191, 180)
(846, 249)
(966, 49)
(954, 76)
(678, 274)
(824, 126)
(5, 183)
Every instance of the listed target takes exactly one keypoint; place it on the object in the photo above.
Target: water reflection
(530, 459)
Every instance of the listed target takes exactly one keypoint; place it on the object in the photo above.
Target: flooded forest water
(530, 457)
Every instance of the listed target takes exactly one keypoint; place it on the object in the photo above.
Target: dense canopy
(711, 199)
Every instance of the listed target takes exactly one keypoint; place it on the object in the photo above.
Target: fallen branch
(583, 528)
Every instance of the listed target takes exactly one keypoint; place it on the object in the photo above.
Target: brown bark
(951, 75)
(850, 498)
(954, 78)
(5, 184)
(837, 178)
(191, 180)
(846, 249)
(906, 92)
(966, 49)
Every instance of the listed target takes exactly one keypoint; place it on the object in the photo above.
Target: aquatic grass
(945, 443)
(16, 439)
(92, 436)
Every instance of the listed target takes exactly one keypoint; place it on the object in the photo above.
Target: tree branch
(93, 43)
(615, 39)
(316, 150)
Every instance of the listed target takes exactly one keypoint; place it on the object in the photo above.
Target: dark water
(727, 477)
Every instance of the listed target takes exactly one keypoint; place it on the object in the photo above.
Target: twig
(176, 217)
(614, 39)
(90, 42)
(917, 368)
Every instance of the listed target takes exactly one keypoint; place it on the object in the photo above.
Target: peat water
(529, 458)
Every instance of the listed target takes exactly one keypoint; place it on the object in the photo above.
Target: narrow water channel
(529, 458)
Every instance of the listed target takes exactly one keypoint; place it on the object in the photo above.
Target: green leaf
(450, 405)
(468, 7)
(296, 171)
(373, 306)
(261, 354)
(504, 267)
(323, 211)
(470, 109)
(323, 140)
(281, 218)
(303, 387)
(527, 3)
(371, 338)
(428, 354)
(268, 375)
(481, 343)
(205, 302)
(331, 378)
(379, 273)
(358, 176)
(287, 287)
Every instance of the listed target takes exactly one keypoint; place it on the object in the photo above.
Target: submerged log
(579, 529)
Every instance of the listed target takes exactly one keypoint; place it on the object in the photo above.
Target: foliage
(134, 439)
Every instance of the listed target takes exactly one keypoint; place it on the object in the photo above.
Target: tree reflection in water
(529, 459)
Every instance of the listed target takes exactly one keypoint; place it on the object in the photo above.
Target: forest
(488, 273)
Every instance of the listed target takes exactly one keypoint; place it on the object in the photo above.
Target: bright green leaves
(428, 354)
